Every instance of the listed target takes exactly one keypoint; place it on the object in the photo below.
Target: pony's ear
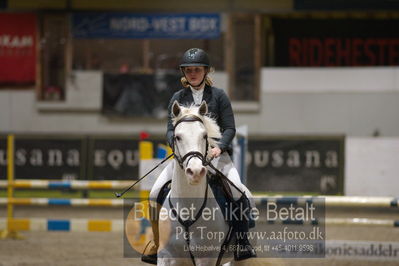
(176, 109)
(203, 109)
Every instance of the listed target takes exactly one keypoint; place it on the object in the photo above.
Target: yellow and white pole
(146, 151)
(146, 156)
(10, 231)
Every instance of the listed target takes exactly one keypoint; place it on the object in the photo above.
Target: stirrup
(244, 251)
(151, 258)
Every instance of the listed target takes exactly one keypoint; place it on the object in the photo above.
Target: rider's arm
(170, 128)
(226, 121)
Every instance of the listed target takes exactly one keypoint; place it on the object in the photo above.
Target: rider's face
(195, 75)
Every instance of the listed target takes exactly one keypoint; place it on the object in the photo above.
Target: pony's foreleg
(167, 262)
(246, 262)
(249, 196)
(205, 261)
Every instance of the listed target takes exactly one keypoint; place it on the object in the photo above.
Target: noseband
(192, 154)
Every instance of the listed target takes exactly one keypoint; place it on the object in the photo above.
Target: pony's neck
(180, 188)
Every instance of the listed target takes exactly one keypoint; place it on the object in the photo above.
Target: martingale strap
(187, 223)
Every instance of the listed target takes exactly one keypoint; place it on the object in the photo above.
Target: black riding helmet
(194, 57)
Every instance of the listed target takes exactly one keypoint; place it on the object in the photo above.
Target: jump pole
(146, 153)
(10, 231)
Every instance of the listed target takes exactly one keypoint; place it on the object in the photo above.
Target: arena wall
(346, 101)
(356, 102)
(371, 166)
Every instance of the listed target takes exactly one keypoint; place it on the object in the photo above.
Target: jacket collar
(207, 94)
(188, 96)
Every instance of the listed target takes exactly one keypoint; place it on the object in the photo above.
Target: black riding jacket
(219, 108)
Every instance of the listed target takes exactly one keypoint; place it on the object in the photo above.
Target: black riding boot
(150, 252)
(244, 249)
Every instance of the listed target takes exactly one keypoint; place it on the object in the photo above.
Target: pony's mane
(210, 124)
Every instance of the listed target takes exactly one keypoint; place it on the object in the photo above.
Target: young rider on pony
(198, 87)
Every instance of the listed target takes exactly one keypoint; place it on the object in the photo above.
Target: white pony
(192, 226)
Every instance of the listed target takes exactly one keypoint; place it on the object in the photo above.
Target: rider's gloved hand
(215, 152)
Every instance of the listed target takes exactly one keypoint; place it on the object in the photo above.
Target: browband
(189, 118)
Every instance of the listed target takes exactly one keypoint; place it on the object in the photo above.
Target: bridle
(192, 154)
(196, 154)
(187, 223)
(180, 160)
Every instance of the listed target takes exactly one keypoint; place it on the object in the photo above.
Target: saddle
(223, 195)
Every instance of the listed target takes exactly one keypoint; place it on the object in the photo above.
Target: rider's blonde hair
(208, 80)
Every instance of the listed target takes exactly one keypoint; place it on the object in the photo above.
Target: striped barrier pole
(332, 201)
(363, 222)
(358, 202)
(340, 221)
(9, 231)
(383, 202)
(72, 225)
(116, 225)
(345, 202)
(63, 184)
(67, 202)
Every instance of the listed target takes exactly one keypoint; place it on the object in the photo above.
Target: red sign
(305, 42)
(347, 52)
(17, 48)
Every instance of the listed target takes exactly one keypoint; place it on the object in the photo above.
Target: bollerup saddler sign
(17, 48)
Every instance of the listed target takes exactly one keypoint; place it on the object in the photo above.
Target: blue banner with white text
(146, 26)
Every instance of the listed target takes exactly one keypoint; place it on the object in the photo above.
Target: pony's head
(194, 133)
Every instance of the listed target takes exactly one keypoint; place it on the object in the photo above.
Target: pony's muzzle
(195, 174)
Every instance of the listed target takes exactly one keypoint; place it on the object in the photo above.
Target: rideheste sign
(336, 42)
(146, 26)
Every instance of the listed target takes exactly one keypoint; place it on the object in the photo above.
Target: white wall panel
(365, 79)
(372, 167)
(295, 112)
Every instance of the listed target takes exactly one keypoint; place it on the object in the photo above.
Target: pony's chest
(205, 235)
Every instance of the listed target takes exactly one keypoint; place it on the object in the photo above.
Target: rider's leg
(165, 176)
(150, 253)
(240, 221)
(224, 164)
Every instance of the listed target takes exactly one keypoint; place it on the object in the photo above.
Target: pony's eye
(178, 138)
